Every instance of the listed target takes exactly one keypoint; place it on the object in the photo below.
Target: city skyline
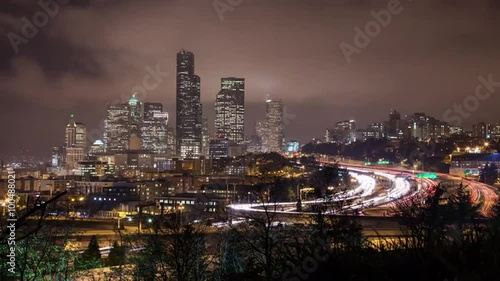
(318, 87)
(250, 140)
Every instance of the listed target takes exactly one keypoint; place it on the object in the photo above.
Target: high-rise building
(76, 143)
(218, 152)
(134, 122)
(154, 130)
(395, 127)
(423, 127)
(374, 131)
(378, 130)
(481, 130)
(116, 133)
(76, 134)
(74, 155)
(275, 126)
(188, 107)
(58, 156)
(343, 132)
(495, 131)
(230, 110)
(70, 132)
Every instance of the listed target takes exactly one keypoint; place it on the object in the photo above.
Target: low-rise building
(470, 165)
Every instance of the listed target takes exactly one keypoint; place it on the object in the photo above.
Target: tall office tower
(134, 122)
(275, 126)
(76, 143)
(218, 153)
(81, 136)
(70, 132)
(116, 132)
(189, 110)
(456, 130)
(343, 132)
(205, 138)
(154, 128)
(76, 134)
(495, 131)
(230, 110)
(378, 129)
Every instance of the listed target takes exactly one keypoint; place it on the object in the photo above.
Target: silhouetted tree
(323, 178)
(91, 257)
(116, 255)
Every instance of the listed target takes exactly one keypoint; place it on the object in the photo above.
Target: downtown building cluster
(138, 135)
(417, 126)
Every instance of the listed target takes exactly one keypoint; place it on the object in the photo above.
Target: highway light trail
(364, 195)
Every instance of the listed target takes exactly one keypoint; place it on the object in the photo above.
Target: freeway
(365, 195)
(482, 194)
(375, 200)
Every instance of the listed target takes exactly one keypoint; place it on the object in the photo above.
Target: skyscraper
(76, 133)
(154, 128)
(343, 132)
(230, 110)
(134, 122)
(395, 126)
(275, 126)
(116, 133)
(189, 110)
(76, 143)
(218, 152)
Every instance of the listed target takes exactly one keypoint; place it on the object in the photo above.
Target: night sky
(92, 53)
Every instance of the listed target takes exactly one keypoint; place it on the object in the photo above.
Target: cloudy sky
(94, 52)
